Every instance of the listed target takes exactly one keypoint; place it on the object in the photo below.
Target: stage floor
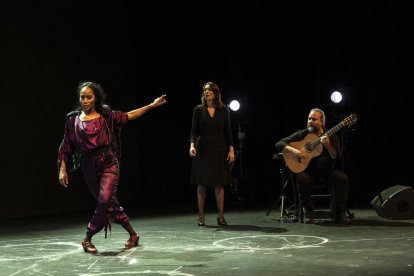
(171, 243)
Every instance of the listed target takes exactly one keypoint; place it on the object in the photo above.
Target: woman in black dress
(212, 149)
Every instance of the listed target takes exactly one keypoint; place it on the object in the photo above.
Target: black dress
(212, 137)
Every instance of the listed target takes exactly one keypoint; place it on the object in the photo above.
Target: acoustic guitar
(311, 146)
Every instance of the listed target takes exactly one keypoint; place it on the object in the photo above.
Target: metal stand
(286, 215)
(241, 135)
(237, 185)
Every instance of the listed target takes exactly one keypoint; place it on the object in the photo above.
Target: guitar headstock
(350, 120)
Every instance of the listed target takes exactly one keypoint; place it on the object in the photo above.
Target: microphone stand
(284, 211)
(238, 185)
(241, 136)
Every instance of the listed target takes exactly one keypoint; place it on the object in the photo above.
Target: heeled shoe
(89, 247)
(132, 242)
(201, 221)
(221, 221)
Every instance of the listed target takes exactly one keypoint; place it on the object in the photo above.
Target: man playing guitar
(315, 154)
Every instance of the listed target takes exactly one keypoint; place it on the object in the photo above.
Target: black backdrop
(280, 60)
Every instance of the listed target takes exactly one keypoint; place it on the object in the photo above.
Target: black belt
(95, 151)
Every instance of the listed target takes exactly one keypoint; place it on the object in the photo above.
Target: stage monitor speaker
(396, 202)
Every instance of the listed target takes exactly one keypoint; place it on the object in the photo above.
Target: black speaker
(396, 202)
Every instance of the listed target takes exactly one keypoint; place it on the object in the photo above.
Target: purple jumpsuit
(99, 164)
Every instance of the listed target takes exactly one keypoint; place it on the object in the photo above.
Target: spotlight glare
(336, 97)
(234, 105)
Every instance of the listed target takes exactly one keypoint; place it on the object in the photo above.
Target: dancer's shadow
(114, 253)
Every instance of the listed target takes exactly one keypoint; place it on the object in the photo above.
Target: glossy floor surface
(255, 242)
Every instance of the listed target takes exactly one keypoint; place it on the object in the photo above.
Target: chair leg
(300, 207)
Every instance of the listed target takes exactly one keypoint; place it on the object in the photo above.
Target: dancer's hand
(159, 101)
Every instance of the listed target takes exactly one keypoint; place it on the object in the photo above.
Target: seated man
(317, 163)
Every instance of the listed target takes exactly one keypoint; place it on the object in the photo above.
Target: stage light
(336, 97)
(234, 105)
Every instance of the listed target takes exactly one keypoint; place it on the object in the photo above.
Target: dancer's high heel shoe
(132, 242)
(89, 247)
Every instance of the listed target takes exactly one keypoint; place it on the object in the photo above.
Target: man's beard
(311, 129)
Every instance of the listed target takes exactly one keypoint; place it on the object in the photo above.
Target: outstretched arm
(136, 113)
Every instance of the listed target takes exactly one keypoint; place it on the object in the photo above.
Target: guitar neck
(311, 145)
(334, 129)
(328, 133)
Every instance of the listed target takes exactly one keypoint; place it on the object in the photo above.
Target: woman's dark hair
(217, 95)
(99, 92)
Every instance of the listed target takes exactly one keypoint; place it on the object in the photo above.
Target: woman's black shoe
(221, 221)
(201, 221)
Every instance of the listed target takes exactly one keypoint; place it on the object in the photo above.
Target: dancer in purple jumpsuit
(91, 142)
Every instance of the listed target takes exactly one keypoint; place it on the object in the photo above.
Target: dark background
(280, 59)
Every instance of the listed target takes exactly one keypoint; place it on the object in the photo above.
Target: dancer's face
(87, 99)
